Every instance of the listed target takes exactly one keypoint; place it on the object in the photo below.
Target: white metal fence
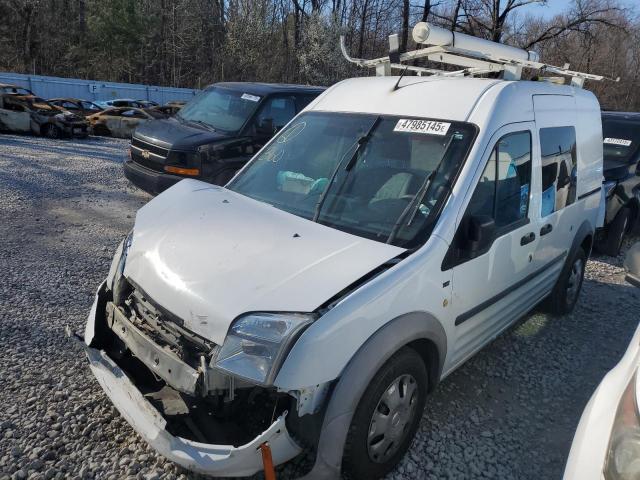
(53, 87)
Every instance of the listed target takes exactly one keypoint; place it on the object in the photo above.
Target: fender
(585, 230)
(356, 376)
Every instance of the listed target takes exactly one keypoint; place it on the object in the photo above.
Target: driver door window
(502, 193)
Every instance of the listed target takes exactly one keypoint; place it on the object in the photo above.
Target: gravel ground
(510, 412)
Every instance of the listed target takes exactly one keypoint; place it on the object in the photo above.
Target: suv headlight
(258, 343)
(623, 456)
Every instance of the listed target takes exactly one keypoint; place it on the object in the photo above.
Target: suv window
(559, 168)
(279, 109)
(503, 190)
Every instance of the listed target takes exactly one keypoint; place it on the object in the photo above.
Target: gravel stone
(509, 412)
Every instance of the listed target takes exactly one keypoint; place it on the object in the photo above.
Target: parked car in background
(76, 105)
(621, 142)
(147, 103)
(170, 108)
(214, 134)
(27, 113)
(606, 445)
(9, 88)
(125, 102)
(121, 121)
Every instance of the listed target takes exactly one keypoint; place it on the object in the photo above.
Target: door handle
(546, 229)
(528, 238)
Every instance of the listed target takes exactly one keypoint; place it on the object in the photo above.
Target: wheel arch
(582, 239)
(418, 330)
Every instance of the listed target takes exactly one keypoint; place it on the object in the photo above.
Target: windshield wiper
(202, 124)
(347, 168)
(414, 205)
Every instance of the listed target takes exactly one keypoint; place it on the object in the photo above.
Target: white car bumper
(590, 444)
(216, 460)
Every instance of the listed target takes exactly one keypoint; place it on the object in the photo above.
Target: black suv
(214, 134)
(621, 137)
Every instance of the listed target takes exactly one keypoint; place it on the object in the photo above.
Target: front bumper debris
(217, 460)
(206, 458)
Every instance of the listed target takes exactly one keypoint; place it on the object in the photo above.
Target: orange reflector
(182, 171)
(267, 462)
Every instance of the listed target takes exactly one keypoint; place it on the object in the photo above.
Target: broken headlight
(258, 343)
(623, 457)
(115, 279)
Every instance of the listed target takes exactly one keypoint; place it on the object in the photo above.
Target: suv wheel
(614, 233)
(387, 417)
(565, 294)
(51, 131)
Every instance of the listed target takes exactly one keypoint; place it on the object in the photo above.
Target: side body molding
(355, 378)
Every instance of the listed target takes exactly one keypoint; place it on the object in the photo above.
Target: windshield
(220, 109)
(379, 177)
(621, 140)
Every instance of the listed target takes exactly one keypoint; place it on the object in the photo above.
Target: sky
(554, 7)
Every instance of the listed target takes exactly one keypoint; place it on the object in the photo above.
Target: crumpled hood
(208, 255)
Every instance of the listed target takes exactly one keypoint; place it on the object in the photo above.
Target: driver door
(15, 118)
(490, 282)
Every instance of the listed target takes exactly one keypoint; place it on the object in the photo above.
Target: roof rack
(476, 55)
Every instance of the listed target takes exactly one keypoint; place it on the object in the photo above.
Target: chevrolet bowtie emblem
(145, 154)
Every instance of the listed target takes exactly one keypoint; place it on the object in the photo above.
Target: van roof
(446, 98)
(262, 89)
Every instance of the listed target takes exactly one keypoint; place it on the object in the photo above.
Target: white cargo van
(383, 237)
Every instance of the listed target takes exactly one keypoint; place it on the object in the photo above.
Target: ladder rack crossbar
(475, 63)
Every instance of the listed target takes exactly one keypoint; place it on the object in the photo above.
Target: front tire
(565, 294)
(51, 131)
(387, 417)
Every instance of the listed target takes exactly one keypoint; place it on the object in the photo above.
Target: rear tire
(614, 233)
(51, 131)
(564, 296)
(387, 417)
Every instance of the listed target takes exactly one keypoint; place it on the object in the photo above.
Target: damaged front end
(161, 378)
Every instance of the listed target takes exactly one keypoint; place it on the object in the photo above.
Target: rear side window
(279, 109)
(621, 140)
(559, 168)
(503, 190)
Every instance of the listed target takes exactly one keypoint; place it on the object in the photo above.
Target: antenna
(476, 55)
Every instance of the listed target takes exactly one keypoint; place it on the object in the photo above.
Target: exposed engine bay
(172, 368)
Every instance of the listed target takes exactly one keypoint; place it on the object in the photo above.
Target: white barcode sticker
(617, 141)
(248, 96)
(422, 126)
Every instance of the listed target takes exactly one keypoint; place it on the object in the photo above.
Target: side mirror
(266, 127)
(480, 234)
(632, 265)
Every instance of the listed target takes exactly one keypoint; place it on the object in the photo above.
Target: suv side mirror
(480, 234)
(632, 265)
(265, 127)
